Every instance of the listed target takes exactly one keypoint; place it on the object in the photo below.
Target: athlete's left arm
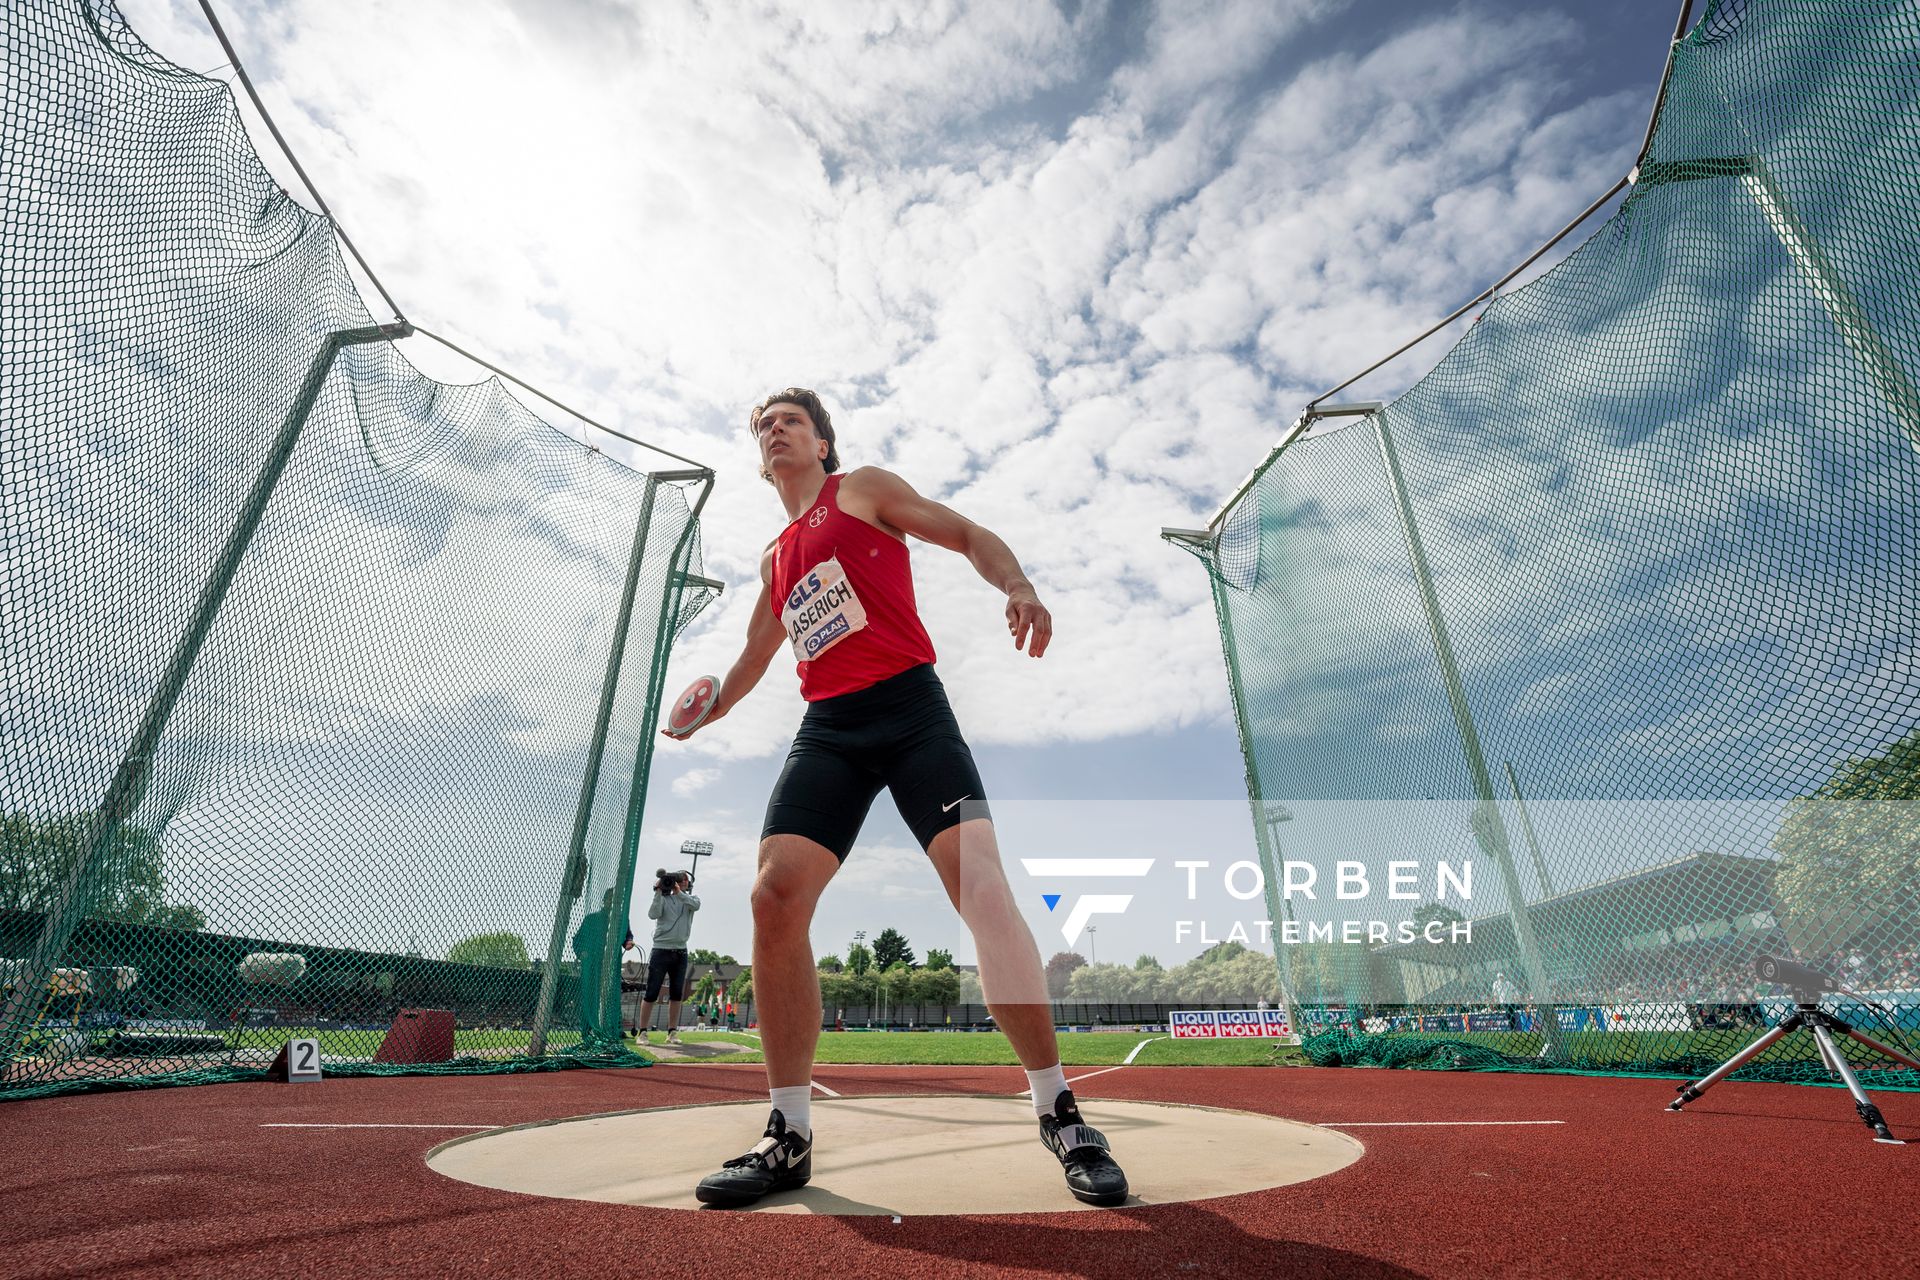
(897, 503)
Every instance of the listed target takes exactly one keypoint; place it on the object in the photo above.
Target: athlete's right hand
(1026, 616)
(719, 710)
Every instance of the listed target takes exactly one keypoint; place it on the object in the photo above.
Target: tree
(1114, 982)
(740, 991)
(1227, 973)
(838, 990)
(180, 915)
(939, 959)
(890, 948)
(1149, 964)
(1850, 854)
(935, 986)
(1435, 912)
(128, 882)
(701, 955)
(1218, 953)
(859, 959)
(494, 950)
(897, 981)
(706, 987)
(829, 964)
(1060, 971)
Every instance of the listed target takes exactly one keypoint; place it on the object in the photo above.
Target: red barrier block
(418, 1035)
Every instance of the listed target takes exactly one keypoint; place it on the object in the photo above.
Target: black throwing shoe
(1092, 1175)
(780, 1161)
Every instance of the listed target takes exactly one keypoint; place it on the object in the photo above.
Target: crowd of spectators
(1710, 972)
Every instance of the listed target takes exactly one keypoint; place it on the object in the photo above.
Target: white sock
(795, 1103)
(1048, 1083)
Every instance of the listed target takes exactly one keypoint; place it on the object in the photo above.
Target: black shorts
(669, 967)
(899, 734)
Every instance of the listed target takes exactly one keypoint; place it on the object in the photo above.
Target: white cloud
(1074, 329)
(694, 781)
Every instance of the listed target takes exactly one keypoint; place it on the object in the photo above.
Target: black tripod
(1822, 1025)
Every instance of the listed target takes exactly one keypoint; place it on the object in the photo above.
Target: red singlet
(843, 589)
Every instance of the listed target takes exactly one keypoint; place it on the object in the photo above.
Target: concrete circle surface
(911, 1155)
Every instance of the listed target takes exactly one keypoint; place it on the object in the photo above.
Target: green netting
(1619, 603)
(328, 688)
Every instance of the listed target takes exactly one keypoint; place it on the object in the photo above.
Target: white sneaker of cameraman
(673, 1037)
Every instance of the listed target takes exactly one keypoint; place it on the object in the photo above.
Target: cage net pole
(1540, 871)
(1270, 867)
(670, 606)
(1203, 548)
(573, 876)
(308, 657)
(132, 774)
(1661, 507)
(1882, 367)
(1489, 828)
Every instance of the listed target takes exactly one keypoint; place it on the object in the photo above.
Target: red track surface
(1752, 1179)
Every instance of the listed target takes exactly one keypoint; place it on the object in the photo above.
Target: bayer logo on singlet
(818, 518)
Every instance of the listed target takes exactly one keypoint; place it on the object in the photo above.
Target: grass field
(364, 1044)
(1597, 1050)
(990, 1048)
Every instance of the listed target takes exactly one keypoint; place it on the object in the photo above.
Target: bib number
(822, 610)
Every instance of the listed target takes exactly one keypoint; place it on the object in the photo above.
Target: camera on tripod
(1807, 982)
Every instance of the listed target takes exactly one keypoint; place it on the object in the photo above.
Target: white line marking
(1027, 1093)
(1091, 1074)
(379, 1126)
(822, 1088)
(1410, 1124)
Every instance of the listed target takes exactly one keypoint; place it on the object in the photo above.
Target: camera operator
(672, 911)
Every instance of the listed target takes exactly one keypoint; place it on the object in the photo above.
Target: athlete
(837, 588)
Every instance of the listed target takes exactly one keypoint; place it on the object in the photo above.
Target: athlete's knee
(990, 908)
(780, 904)
(983, 886)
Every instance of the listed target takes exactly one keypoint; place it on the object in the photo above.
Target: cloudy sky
(1070, 269)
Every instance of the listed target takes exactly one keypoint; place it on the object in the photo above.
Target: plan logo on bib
(818, 518)
(821, 610)
(1093, 904)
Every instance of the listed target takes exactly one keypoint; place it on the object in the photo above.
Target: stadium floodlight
(696, 850)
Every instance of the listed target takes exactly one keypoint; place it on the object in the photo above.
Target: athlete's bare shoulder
(766, 562)
(868, 479)
(867, 492)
